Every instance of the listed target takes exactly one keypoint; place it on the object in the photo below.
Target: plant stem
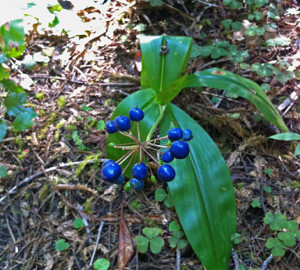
(157, 145)
(158, 139)
(161, 109)
(123, 158)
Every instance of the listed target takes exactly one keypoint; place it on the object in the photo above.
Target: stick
(97, 242)
(266, 262)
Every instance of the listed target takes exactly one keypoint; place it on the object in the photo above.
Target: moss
(40, 96)
(61, 102)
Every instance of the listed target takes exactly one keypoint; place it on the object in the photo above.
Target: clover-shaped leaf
(156, 244)
(160, 195)
(101, 264)
(61, 245)
(174, 226)
(142, 243)
(3, 171)
(291, 225)
(278, 248)
(277, 222)
(78, 223)
(151, 232)
(287, 238)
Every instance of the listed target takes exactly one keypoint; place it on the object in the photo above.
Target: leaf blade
(196, 187)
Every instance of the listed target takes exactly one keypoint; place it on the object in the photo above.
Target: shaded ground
(98, 73)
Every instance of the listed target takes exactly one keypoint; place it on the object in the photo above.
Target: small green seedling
(78, 141)
(86, 108)
(136, 205)
(236, 238)
(287, 232)
(161, 195)
(175, 240)
(256, 203)
(100, 125)
(268, 190)
(61, 245)
(152, 238)
(78, 223)
(101, 264)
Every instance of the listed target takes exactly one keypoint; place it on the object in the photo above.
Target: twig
(28, 179)
(205, 3)
(97, 242)
(266, 262)
(235, 259)
(177, 259)
(11, 234)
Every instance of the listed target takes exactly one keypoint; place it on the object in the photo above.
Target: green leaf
(61, 245)
(291, 225)
(162, 70)
(261, 3)
(255, 203)
(287, 238)
(142, 243)
(156, 244)
(11, 86)
(287, 136)
(260, 31)
(227, 2)
(235, 4)
(297, 150)
(168, 202)
(3, 171)
(203, 194)
(236, 26)
(14, 103)
(24, 120)
(171, 91)
(12, 38)
(3, 73)
(151, 232)
(144, 99)
(160, 195)
(100, 125)
(155, 3)
(174, 226)
(277, 222)
(178, 234)
(78, 223)
(101, 264)
(3, 129)
(217, 52)
(182, 243)
(278, 248)
(173, 241)
(86, 108)
(227, 24)
(221, 79)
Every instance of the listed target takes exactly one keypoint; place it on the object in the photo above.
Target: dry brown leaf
(126, 243)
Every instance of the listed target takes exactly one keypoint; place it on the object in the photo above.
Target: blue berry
(166, 173)
(136, 114)
(111, 172)
(111, 127)
(187, 135)
(122, 123)
(166, 156)
(139, 170)
(137, 184)
(179, 149)
(175, 134)
(120, 180)
(108, 161)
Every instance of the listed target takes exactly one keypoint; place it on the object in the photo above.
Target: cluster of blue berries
(177, 147)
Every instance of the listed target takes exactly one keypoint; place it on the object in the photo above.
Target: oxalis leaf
(234, 84)
(203, 193)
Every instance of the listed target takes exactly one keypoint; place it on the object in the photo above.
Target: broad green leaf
(236, 26)
(3, 129)
(156, 244)
(144, 99)
(203, 193)
(287, 136)
(221, 79)
(12, 38)
(11, 86)
(261, 3)
(142, 243)
(227, 24)
(161, 70)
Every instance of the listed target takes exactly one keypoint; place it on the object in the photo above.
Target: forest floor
(79, 82)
